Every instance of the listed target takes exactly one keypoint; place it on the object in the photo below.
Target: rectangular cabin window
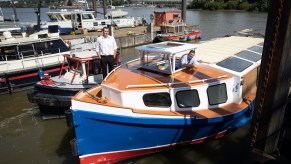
(8, 53)
(52, 17)
(59, 17)
(68, 16)
(188, 98)
(217, 94)
(87, 16)
(175, 16)
(170, 29)
(26, 50)
(58, 46)
(161, 99)
(42, 47)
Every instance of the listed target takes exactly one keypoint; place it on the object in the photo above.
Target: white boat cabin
(153, 84)
(120, 19)
(77, 19)
(176, 28)
(34, 51)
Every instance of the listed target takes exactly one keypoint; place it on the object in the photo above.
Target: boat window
(8, 53)
(188, 98)
(59, 17)
(58, 46)
(25, 50)
(68, 16)
(217, 94)
(163, 29)
(171, 30)
(52, 17)
(175, 16)
(87, 16)
(50, 47)
(156, 62)
(161, 99)
(42, 47)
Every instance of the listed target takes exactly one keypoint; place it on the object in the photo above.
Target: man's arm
(98, 48)
(115, 50)
(114, 46)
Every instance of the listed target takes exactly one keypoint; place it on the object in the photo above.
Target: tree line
(247, 5)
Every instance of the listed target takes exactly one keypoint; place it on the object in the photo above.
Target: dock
(125, 37)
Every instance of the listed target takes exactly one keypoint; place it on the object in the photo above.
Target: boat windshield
(172, 29)
(52, 17)
(87, 16)
(68, 16)
(158, 62)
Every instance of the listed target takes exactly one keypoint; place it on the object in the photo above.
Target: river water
(26, 138)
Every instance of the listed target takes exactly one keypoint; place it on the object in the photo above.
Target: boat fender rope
(100, 100)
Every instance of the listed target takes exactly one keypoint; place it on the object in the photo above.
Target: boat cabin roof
(70, 12)
(174, 24)
(171, 48)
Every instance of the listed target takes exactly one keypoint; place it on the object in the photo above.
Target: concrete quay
(125, 37)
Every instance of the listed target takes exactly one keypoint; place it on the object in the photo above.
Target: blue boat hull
(112, 137)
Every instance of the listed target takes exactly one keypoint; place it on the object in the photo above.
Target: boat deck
(138, 79)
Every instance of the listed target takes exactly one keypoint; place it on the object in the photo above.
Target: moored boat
(120, 19)
(53, 94)
(22, 57)
(147, 105)
(177, 31)
(72, 20)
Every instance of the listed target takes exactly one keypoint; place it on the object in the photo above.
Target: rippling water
(25, 138)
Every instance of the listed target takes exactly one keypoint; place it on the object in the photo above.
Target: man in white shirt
(106, 50)
(187, 60)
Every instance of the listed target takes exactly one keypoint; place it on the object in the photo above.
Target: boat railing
(175, 83)
(8, 57)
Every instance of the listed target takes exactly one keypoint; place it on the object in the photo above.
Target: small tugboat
(53, 94)
(177, 31)
(147, 105)
(22, 57)
(173, 28)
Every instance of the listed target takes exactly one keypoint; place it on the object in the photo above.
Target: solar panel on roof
(258, 49)
(235, 64)
(249, 56)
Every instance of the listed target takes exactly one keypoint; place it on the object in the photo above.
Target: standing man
(106, 50)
